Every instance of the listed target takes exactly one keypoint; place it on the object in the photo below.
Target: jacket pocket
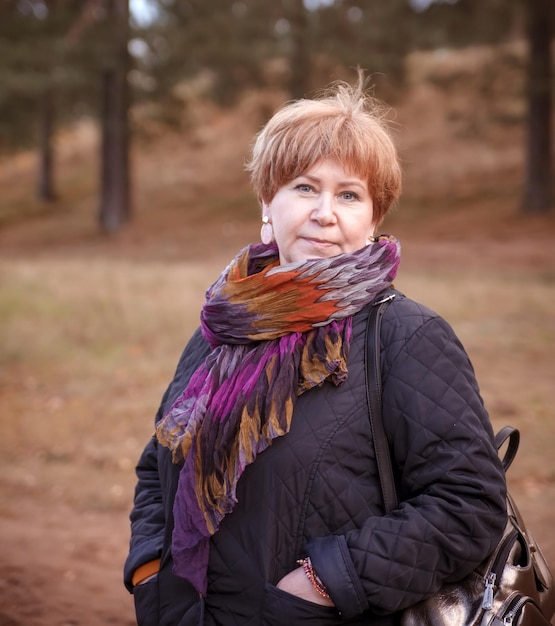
(194, 616)
(145, 597)
(284, 609)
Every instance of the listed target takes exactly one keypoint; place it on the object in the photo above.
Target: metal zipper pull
(386, 298)
(509, 618)
(489, 582)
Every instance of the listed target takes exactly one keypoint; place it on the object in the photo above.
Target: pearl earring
(266, 232)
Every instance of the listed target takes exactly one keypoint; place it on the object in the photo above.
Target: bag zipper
(491, 577)
(516, 608)
(489, 582)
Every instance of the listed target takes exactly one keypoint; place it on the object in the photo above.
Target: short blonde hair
(344, 124)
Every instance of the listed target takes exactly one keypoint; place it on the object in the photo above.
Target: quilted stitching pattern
(316, 488)
(449, 473)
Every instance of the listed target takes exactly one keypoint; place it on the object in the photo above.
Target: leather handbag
(513, 586)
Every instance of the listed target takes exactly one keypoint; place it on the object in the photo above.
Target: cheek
(359, 227)
(282, 233)
(285, 222)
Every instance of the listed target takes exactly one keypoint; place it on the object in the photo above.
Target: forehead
(328, 169)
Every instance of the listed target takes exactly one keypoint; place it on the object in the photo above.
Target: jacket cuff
(140, 555)
(333, 564)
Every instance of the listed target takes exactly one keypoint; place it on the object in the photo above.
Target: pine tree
(114, 208)
(538, 187)
(39, 79)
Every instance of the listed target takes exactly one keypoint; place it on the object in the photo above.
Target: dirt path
(61, 566)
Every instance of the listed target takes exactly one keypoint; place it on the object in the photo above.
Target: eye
(304, 188)
(350, 196)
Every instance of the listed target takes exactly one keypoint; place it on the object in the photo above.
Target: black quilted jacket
(315, 491)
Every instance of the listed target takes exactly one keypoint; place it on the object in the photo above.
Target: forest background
(123, 135)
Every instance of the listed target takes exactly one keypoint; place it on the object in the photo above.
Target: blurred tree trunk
(299, 60)
(45, 189)
(115, 207)
(538, 187)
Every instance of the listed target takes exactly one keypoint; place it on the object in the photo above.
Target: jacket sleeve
(451, 481)
(151, 505)
(147, 515)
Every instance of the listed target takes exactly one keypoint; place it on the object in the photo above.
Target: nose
(324, 210)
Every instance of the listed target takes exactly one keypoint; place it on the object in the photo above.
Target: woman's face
(322, 213)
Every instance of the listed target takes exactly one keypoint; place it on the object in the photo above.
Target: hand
(297, 584)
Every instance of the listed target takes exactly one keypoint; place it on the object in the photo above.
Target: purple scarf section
(275, 331)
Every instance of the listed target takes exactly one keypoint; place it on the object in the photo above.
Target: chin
(300, 258)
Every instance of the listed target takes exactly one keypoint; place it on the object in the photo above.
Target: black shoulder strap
(374, 396)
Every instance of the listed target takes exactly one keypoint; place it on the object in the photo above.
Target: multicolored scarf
(275, 331)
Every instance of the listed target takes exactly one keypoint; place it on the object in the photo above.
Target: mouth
(319, 243)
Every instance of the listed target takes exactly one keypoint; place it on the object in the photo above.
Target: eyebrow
(343, 183)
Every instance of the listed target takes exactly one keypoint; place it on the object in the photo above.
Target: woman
(258, 500)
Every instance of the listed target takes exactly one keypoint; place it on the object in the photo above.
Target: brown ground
(92, 328)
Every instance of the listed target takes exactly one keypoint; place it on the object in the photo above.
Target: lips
(319, 242)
